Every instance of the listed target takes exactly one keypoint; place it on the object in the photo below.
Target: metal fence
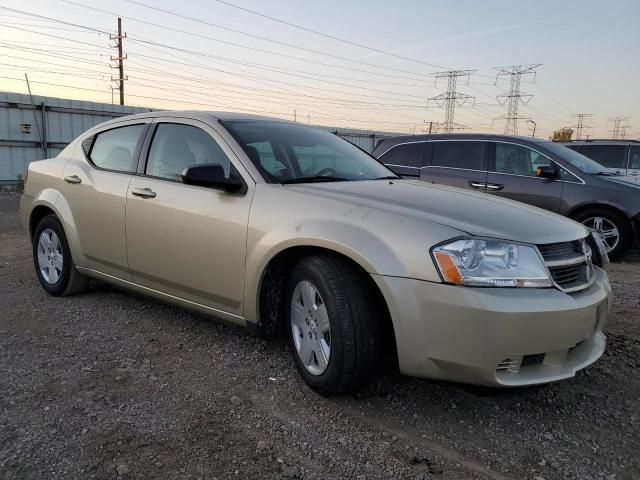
(42, 128)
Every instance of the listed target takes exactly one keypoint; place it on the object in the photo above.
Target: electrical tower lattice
(514, 97)
(451, 98)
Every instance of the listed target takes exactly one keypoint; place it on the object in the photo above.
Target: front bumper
(496, 336)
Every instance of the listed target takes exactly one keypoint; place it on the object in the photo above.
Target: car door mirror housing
(212, 175)
(547, 171)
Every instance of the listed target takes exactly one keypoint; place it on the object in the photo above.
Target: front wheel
(614, 230)
(333, 325)
(52, 259)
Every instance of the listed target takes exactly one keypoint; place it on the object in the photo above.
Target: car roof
(602, 141)
(392, 141)
(201, 115)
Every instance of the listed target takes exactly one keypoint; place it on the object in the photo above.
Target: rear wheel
(52, 259)
(333, 325)
(612, 227)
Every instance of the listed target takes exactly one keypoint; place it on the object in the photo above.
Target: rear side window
(115, 149)
(611, 156)
(468, 155)
(405, 155)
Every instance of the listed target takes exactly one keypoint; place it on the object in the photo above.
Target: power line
(290, 45)
(316, 32)
(451, 98)
(514, 97)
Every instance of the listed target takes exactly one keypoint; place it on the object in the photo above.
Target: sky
(359, 64)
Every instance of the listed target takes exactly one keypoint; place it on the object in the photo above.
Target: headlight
(490, 263)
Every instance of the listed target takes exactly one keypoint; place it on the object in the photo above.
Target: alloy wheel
(50, 256)
(310, 327)
(607, 230)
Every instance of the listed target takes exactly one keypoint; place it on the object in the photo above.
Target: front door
(512, 174)
(95, 185)
(183, 240)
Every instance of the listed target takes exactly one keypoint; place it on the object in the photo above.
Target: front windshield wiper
(608, 174)
(388, 177)
(314, 179)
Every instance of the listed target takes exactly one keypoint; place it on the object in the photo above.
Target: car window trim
(136, 151)
(380, 159)
(581, 182)
(146, 150)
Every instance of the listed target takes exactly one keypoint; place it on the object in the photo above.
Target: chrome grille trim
(569, 264)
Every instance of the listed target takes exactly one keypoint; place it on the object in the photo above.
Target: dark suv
(620, 156)
(541, 173)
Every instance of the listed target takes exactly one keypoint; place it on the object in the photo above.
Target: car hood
(469, 212)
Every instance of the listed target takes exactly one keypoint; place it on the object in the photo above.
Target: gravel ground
(108, 384)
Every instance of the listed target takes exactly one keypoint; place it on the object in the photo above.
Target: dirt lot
(109, 384)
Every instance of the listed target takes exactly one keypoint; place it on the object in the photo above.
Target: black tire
(70, 281)
(621, 223)
(354, 318)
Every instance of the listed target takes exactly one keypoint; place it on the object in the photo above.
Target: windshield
(287, 153)
(582, 163)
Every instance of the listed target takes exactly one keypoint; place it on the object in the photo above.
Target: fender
(370, 251)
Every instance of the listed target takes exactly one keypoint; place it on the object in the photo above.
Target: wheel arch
(52, 202)
(270, 303)
(602, 206)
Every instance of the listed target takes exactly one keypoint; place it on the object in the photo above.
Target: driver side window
(518, 160)
(177, 146)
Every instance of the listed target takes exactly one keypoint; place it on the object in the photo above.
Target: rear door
(405, 159)
(460, 163)
(95, 186)
(512, 174)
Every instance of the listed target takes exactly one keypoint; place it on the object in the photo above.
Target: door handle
(495, 187)
(478, 185)
(143, 192)
(72, 179)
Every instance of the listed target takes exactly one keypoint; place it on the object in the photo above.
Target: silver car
(287, 229)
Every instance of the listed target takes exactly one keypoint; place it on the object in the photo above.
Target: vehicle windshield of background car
(582, 163)
(287, 153)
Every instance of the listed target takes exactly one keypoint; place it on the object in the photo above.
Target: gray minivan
(538, 172)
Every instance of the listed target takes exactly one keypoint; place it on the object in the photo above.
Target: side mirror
(212, 175)
(546, 171)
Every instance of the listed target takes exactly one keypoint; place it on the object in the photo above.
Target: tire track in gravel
(370, 421)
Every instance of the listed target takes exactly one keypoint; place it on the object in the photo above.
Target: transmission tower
(451, 98)
(619, 130)
(580, 125)
(120, 60)
(514, 97)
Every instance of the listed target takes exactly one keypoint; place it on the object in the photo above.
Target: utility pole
(451, 97)
(533, 134)
(514, 97)
(580, 125)
(619, 128)
(430, 127)
(120, 59)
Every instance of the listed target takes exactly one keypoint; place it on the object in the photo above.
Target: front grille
(569, 264)
(558, 251)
